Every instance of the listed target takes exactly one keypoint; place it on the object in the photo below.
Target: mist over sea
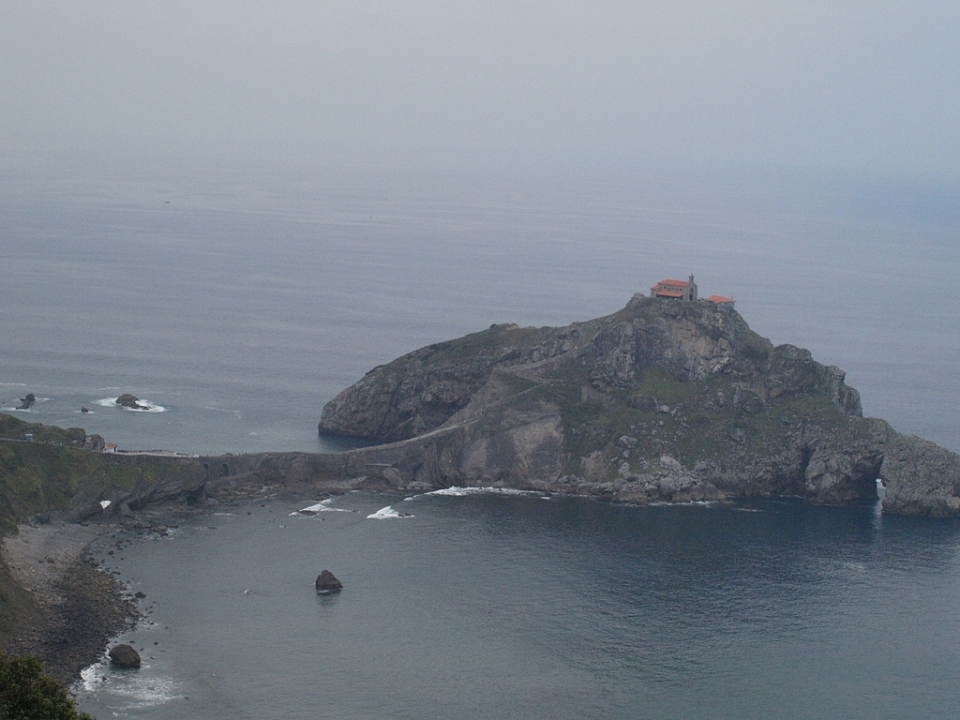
(239, 298)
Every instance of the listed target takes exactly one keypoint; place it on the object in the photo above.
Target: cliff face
(663, 400)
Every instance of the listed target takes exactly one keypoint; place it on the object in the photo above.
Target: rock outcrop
(328, 583)
(131, 401)
(124, 656)
(919, 477)
(663, 400)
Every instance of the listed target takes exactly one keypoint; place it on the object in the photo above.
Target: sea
(235, 297)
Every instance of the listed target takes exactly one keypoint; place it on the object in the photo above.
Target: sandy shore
(81, 607)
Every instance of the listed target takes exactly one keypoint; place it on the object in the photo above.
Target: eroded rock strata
(663, 400)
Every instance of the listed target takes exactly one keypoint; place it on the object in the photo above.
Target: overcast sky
(858, 85)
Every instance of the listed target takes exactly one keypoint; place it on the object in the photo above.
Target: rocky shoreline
(78, 606)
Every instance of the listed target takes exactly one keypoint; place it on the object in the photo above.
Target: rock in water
(27, 402)
(327, 583)
(124, 656)
(130, 401)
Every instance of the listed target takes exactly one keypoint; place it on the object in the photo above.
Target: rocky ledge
(663, 400)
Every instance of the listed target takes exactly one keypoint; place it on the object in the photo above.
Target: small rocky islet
(131, 402)
(328, 583)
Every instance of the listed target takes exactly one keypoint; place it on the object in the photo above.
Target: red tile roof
(668, 293)
(719, 299)
(680, 283)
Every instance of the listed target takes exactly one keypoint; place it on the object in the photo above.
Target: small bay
(497, 605)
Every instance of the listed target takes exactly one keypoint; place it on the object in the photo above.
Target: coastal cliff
(661, 401)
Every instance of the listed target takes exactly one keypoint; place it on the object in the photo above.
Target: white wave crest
(464, 491)
(322, 506)
(690, 503)
(134, 690)
(387, 513)
(149, 406)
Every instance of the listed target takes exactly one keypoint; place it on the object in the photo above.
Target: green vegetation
(491, 341)
(514, 384)
(756, 348)
(697, 427)
(37, 477)
(15, 429)
(40, 476)
(28, 693)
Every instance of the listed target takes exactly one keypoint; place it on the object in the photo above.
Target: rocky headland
(662, 401)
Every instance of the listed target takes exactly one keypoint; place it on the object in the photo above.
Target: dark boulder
(327, 583)
(124, 656)
(130, 401)
(27, 402)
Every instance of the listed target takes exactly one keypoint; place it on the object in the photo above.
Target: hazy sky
(860, 85)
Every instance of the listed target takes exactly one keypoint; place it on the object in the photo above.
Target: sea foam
(322, 506)
(151, 407)
(132, 690)
(387, 513)
(464, 491)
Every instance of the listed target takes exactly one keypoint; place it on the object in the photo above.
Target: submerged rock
(124, 656)
(328, 583)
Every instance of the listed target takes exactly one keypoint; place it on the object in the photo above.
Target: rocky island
(665, 400)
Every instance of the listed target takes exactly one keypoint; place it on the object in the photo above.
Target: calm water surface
(489, 605)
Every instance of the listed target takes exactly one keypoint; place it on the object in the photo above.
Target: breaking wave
(387, 513)
(151, 407)
(133, 690)
(464, 491)
(322, 506)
